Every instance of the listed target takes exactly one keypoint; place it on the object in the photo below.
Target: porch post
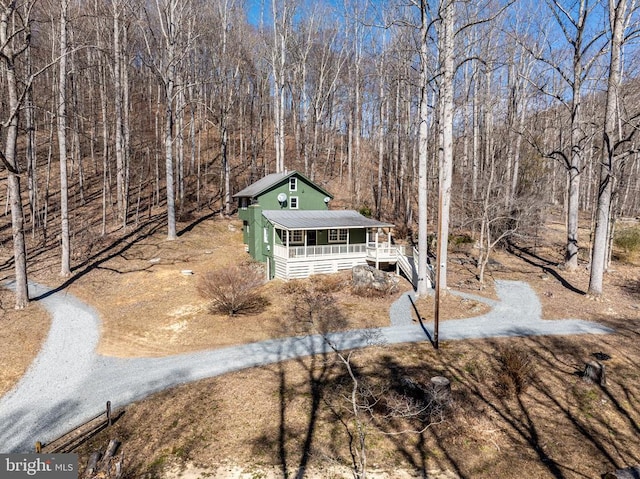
(348, 237)
(272, 256)
(377, 236)
(305, 244)
(288, 252)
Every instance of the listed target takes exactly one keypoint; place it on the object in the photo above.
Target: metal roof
(269, 181)
(321, 219)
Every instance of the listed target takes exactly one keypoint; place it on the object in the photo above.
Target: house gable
(298, 191)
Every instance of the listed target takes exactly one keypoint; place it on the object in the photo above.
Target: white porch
(304, 243)
(302, 261)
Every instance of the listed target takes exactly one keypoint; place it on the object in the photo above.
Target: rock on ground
(365, 276)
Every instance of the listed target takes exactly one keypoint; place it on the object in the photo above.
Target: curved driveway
(68, 382)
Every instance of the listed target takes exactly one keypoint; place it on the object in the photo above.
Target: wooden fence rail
(73, 438)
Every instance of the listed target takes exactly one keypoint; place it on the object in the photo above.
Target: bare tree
(574, 28)
(620, 17)
(166, 47)
(423, 147)
(282, 13)
(65, 261)
(446, 35)
(120, 103)
(583, 43)
(229, 60)
(15, 35)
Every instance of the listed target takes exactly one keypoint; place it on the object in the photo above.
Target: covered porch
(309, 243)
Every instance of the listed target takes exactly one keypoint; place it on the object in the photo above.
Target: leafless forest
(476, 116)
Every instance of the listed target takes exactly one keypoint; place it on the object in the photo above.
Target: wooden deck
(304, 261)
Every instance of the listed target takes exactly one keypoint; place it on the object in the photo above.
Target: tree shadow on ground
(545, 265)
(109, 252)
(291, 439)
(632, 288)
(421, 320)
(559, 413)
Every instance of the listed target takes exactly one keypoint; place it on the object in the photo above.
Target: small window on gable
(293, 203)
(293, 184)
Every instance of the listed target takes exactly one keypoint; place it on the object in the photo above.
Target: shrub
(515, 371)
(365, 210)
(628, 240)
(234, 290)
(316, 312)
(328, 283)
(461, 239)
(294, 286)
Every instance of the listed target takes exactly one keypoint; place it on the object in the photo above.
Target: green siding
(358, 236)
(254, 236)
(309, 197)
(244, 214)
(322, 237)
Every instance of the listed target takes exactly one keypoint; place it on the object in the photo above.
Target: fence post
(108, 413)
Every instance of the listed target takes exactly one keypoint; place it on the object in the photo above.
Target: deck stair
(408, 265)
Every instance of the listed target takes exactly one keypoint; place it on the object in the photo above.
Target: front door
(311, 238)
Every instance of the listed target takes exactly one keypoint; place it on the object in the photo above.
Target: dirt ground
(293, 416)
(21, 335)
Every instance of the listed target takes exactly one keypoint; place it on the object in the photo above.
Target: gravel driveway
(68, 382)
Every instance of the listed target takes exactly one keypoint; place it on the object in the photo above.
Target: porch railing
(382, 253)
(317, 251)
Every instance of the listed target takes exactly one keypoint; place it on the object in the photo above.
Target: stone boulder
(369, 278)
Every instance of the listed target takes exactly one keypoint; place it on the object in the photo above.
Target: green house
(287, 224)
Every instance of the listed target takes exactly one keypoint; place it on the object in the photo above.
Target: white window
(265, 234)
(293, 203)
(297, 236)
(338, 236)
(293, 184)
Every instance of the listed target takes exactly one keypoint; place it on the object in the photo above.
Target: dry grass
(285, 414)
(148, 307)
(277, 415)
(21, 336)
(451, 307)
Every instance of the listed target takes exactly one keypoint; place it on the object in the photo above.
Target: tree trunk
(65, 260)
(19, 245)
(32, 172)
(8, 19)
(445, 38)
(118, 120)
(617, 21)
(168, 146)
(423, 156)
(575, 166)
